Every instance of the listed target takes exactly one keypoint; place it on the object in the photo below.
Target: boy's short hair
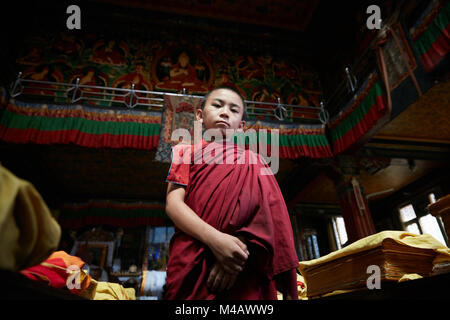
(244, 114)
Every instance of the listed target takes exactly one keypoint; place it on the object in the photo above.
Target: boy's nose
(224, 113)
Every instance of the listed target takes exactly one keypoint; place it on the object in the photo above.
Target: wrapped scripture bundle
(396, 253)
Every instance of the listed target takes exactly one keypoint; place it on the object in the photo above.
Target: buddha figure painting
(183, 72)
(45, 72)
(110, 52)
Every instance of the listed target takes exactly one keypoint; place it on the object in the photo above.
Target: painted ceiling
(287, 14)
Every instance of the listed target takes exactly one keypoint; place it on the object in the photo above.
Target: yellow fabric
(409, 276)
(112, 291)
(131, 293)
(28, 232)
(409, 239)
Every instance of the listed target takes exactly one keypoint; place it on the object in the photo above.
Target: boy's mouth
(222, 123)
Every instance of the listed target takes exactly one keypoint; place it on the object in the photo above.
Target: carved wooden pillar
(441, 208)
(354, 205)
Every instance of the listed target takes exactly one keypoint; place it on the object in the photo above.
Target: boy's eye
(234, 110)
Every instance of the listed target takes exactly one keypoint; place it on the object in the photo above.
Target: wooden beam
(406, 148)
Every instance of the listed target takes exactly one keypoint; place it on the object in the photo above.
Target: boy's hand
(219, 280)
(230, 252)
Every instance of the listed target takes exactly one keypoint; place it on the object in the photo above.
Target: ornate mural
(175, 68)
(167, 65)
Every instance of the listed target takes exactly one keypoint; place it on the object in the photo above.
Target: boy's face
(223, 110)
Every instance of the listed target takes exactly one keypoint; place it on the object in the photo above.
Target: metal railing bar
(72, 85)
(131, 98)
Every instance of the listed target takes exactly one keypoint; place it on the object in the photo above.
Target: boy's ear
(199, 114)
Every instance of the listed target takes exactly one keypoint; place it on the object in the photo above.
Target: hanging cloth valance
(22, 122)
(360, 115)
(295, 141)
(431, 34)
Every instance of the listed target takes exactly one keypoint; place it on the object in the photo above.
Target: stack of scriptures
(350, 268)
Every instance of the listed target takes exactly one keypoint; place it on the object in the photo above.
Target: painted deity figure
(183, 75)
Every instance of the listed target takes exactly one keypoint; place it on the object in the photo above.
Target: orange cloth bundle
(63, 271)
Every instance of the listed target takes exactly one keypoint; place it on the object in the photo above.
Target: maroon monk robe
(236, 199)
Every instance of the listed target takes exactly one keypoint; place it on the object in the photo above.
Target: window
(310, 245)
(340, 233)
(158, 247)
(409, 219)
(421, 223)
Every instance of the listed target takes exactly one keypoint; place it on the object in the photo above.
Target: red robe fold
(236, 199)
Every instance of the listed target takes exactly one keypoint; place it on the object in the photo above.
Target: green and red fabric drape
(431, 34)
(359, 116)
(80, 125)
(295, 141)
(116, 214)
(22, 122)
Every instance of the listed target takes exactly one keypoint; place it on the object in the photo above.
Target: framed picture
(98, 253)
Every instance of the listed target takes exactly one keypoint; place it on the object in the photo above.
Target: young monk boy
(233, 237)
